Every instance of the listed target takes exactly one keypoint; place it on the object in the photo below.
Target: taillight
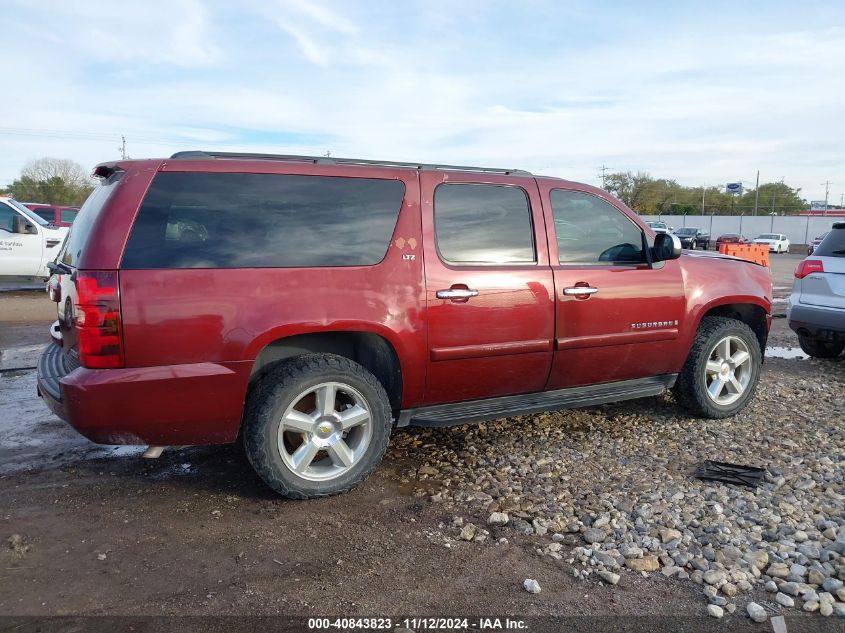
(808, 267)
(97, 322)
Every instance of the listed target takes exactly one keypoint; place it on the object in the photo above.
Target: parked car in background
(693, 238)
(777, 242)
(732, 238)
(814, 244)
(54, 214)
(657, 227)
(366, 296)
(816, 308)
(27, 241)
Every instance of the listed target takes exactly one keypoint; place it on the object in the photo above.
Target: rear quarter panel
(183, 316)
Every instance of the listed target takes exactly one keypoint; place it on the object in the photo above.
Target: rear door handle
(580, 290)
(457, 293)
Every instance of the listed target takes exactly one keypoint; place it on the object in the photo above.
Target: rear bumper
(200, 403)
(816, 320)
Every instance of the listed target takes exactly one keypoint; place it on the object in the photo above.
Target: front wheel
(316, 425)
(818, 348)
(722, 370)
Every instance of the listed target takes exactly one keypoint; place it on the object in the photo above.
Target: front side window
(592, 231)
(483, 224)
(7, 218)
(47, 214)
(214, 220)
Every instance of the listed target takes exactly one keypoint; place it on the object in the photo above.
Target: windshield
(686, 231)
(32, 216)
(768, 236)
(656, 225)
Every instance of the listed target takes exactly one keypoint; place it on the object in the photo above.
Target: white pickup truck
(27, 241)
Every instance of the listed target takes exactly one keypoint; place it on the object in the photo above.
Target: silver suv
(816, 308)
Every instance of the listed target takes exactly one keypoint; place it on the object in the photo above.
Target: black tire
(692, 245)
(820, 349)
(275, 393)
(690, 389)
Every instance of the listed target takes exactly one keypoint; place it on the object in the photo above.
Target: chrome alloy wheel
(325, 431)
(728, 371)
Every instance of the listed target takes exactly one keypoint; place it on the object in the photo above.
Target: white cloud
(693, 104)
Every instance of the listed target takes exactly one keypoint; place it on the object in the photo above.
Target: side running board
(504, 406)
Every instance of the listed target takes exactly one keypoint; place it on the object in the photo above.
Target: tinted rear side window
(482, 223)
(47, 214)
(833, 245)
(198, 220)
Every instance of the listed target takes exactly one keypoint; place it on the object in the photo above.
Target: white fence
(799, 229)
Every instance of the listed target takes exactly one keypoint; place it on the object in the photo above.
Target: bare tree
(53, 180)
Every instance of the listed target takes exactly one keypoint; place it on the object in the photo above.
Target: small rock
(468, 532)
(714, 576)
(715, 611)
(841, 594)
(669, 534)
(593, 535)
(498, 519)
(17, 543)
(428, 470)
(784, 600)
(815, 577)
(778, 570)
(609, 577)
(826, 608)
(630, 551)
(771, 586)
(101, 557)
(791, 588)
(729, 589)
(832, 585)
(811, 606)
(646, 563)
(756, 612)
(531, 586)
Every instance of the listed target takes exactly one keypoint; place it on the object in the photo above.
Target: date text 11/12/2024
(417, 624)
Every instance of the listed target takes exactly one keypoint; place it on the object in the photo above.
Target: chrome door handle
(580, 290)
(456, 293)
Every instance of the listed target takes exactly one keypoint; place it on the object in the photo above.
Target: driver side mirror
(666, 246)
(22, 225)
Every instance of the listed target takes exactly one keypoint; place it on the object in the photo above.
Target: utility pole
(703, 192)
(773, 201)
(826, 184)
(122, 148)
(757, 192)
(841, 200)
(603, 171)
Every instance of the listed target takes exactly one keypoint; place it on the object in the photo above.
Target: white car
(27, 241)
(777, 242)
(658, 227)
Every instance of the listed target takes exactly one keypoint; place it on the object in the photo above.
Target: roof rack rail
(325, 160)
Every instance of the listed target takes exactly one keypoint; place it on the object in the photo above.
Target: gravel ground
(613, 487)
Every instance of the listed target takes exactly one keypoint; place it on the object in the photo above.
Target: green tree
(53, 180)
(774, 197)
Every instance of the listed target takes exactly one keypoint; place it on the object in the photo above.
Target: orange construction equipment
(757, 253)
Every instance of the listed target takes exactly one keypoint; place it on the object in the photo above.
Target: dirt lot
(196, 533)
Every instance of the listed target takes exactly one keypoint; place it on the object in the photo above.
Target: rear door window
(214, 220)
(47, 214)
(483, 224)
(68, 215)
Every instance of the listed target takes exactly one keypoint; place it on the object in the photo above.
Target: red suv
(311, 305)
(54, 214)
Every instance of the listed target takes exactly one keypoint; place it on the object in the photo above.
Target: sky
(703, 92)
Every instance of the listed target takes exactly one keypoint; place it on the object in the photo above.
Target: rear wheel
(316, 425)
(722, 370)
(818, 348)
